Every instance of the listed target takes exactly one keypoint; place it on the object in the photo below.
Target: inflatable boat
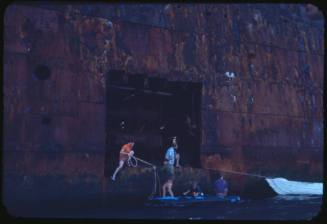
(283, 186)
(183, 201)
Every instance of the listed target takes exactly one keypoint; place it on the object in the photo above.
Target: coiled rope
(130, 163)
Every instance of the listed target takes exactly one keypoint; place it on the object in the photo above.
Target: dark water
(274, 208)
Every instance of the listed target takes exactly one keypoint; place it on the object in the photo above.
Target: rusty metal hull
(261, 69)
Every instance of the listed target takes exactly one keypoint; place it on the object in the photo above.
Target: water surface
(273, 208)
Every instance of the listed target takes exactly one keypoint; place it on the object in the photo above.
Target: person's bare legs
(177, 159)
(121, 163)
(168, 185)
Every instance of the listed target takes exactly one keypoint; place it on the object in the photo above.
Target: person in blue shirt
(171, 154)
(170, 157)
(221, 186)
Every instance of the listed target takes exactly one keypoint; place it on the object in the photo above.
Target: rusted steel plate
(12, 130)
(16, 69)
(54, 163)
(160, 48)
(263, 130)
(228, 131)
(27, 132)
(41, 18)
(32, 30)
(64, 133)
(92, 117)
(316, 70)
(89, 88)
(13, 41)
(261, 70)
(270, 24)
(65, 82)
(289, 163)
(247, 22)
(263, 98)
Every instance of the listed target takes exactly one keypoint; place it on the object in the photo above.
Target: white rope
(141, 160)
(130, 163)
(236, 172)
(156, 176)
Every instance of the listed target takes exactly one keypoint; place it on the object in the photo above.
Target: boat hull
(183, 201)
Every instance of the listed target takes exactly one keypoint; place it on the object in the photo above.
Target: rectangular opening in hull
(149, 111)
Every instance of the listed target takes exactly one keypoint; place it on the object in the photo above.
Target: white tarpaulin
(284, 186)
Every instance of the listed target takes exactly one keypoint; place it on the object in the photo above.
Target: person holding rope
(125, 154)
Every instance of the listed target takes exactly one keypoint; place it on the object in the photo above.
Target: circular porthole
(42, 72)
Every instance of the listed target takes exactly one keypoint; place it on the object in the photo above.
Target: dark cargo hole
(250, 122)
(46, 120)
(28, 25)
(42, 72)
(141, 112)
(251, 55)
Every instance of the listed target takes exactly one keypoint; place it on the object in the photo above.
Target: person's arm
(131, 153)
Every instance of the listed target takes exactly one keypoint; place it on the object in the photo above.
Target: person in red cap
(125, 153)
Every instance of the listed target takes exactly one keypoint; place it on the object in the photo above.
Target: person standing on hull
(170, 158)
(125, 154)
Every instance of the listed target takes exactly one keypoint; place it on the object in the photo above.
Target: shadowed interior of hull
(150, 111)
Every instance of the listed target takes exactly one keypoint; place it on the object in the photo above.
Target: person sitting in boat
(194, 190)
(125, 154)
(221, 186)
(169, 163)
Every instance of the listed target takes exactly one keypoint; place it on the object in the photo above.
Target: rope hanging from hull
(156, 176)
